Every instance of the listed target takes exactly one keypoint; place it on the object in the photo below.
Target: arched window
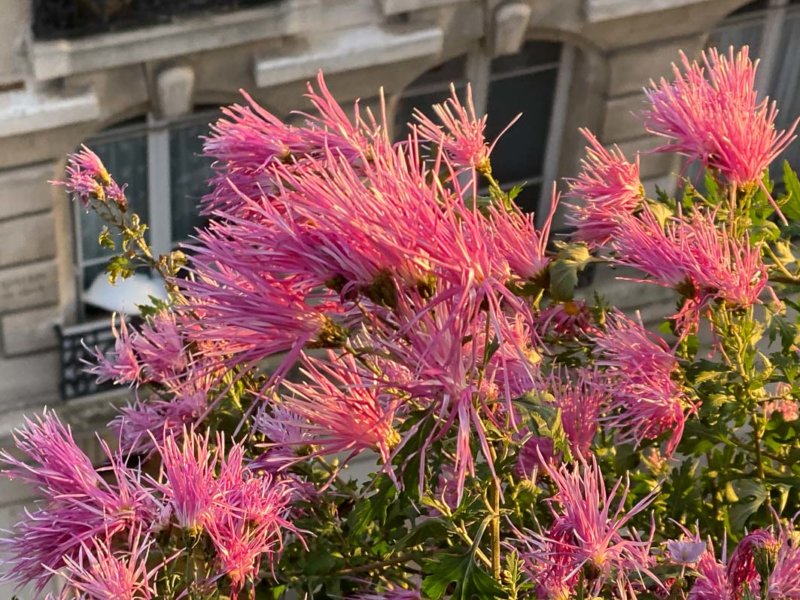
(162, 163)
(533, 82)
(772, 30)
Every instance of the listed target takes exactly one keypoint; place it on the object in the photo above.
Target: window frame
(478, 72)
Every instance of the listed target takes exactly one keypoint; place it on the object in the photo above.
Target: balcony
(60, 19)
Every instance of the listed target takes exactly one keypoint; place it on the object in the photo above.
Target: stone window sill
(61, 58)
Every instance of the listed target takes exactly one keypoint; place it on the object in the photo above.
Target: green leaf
(712, 188)
(661, 212)
(571, 260)
(752, 495)
(105, 240)
(515, 191)
(791, 207)
(470, 580)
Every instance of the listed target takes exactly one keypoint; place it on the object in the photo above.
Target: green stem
(757, 446)
(496, 529)
(389, 562)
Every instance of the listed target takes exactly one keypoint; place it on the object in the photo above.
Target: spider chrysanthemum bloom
(520, 243)
(712, 581)
(784, 580)
(581, 400)
(711, 112)
(79, 503)
(247, 525)
(646, 397)
(189, 484)
(344, 407)
(704, 262)
(461, 133)
(741, 568)
(121, 365)
(590, 530)
(609, 189)
(100, 573)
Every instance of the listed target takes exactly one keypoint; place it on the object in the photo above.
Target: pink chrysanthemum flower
(565, 320)
(461, 133)
(344, 407)
(787, 408)
(249, 141)
(589, 531)
(784, 581)
(535, 451)
(78, 503)
(444, 343)
(143, 425)
(646, 400)
(741, 568)
(88, 179)
(248, 521)
(252, 315)
(609, 188)
(190, 486)
(122, 365)
(713, 115)
(521, 244)
(704, 262)
(712, 580)
(580, 401)
(99, 573)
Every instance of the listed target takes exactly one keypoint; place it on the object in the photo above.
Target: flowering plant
(354, 297)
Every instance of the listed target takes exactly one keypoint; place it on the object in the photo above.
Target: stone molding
(61, 58)
(393, 7)
(26, 111)
(350, 50)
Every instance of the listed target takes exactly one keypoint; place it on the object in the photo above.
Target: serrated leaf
(571, 260)
(470, 580)
(791, 207)
(752, 495)
(105, 240)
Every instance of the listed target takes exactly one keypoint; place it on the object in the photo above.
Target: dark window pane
(423, 102)
(737, 34)
(440, 76)
(785, 86)
(519, 154)
(125, 157)
(533, 54)
(751, 7)
(528, 198)
(189, 175)
(432, 87)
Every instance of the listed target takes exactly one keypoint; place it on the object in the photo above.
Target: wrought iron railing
(56, 19)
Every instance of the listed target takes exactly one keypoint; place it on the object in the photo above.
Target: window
(772, 30)
(166, 176)
(533, 83)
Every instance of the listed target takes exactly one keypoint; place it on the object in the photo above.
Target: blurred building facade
(139, 81)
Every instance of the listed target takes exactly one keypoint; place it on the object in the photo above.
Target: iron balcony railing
(57, 19)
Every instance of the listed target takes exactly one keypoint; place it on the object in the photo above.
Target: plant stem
(496, 529)
(757, 446)
(389, 562)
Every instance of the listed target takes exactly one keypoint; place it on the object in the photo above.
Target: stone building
(139, 81)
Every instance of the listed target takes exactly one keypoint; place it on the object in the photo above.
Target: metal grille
(75, 343)
(56, 19)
